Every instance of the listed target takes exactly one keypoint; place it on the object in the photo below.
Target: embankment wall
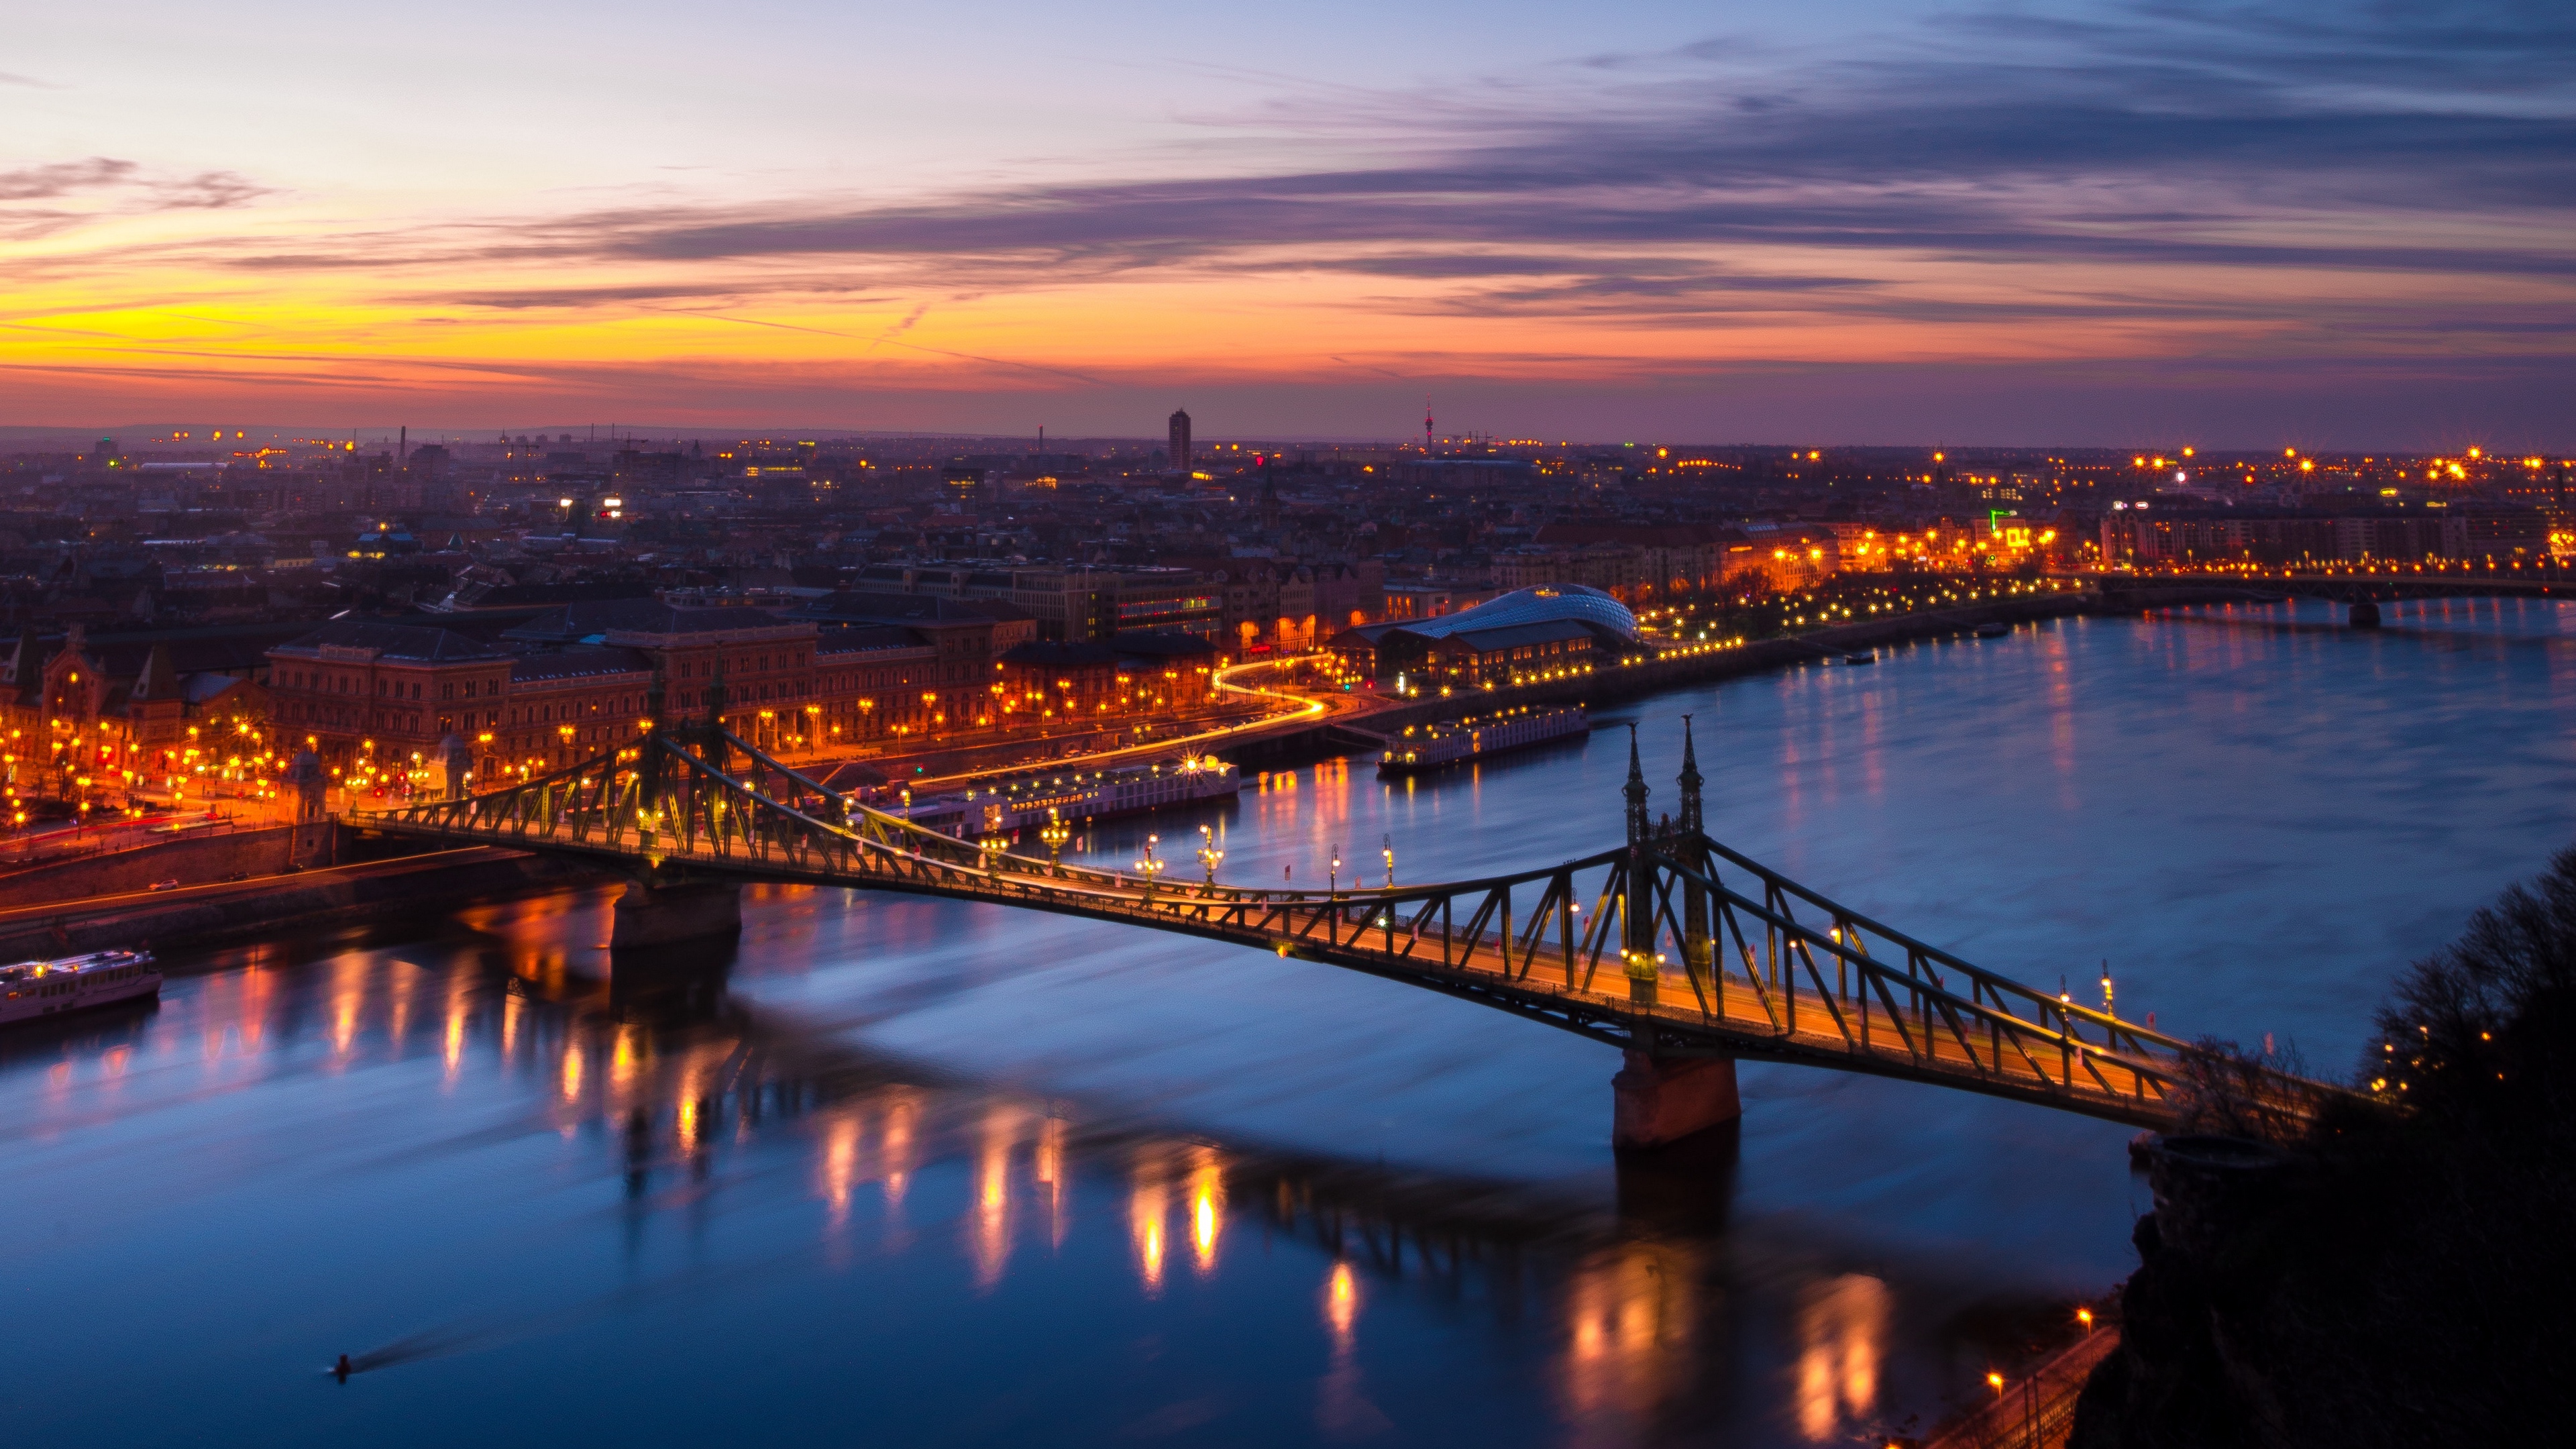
(211, 914)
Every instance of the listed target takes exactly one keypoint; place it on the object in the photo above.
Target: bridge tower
(1658, 1099)
(1695, 906)
(1637, 910)
(669, 905)
(711, 735)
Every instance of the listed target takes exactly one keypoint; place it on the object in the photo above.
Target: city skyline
(1868, 223)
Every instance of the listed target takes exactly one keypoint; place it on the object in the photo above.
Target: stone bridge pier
(1659, 1100)
(668, 908)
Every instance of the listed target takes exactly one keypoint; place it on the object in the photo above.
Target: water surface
(921, 1172)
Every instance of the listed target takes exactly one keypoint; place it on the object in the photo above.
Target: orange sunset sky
(1870, 222)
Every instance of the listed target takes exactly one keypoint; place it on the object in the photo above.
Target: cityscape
(936, 600)
(1655, 728)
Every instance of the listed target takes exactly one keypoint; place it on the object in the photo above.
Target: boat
(1992, 629)
(1428, 747)
(34, 989)
(1860, 659)
(1016, 803)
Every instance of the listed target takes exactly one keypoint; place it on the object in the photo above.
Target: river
(926, 1173)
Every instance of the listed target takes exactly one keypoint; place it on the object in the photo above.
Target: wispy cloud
(207, 191)
(2296, 177)
(77, 192)
(63, 178)
(2041, 140)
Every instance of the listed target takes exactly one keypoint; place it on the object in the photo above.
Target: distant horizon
(23, 437)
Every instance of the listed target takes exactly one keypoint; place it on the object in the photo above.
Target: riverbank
(1307, 740)
(219, 911)
(2037, 1409)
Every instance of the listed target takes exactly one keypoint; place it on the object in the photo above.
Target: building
(1430, 601)
(130, 711)
(1641, 564)
(1532, 633)
(1069, 604)
(365, 694)
(1276, 604)
(1181, 441)
(1093, 683)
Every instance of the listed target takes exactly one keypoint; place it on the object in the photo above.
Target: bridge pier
(2363, 615)
(1658, 1101)
(667, 913)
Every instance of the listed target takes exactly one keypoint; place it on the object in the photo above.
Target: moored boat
(1012, 804)
(34, 989)
(1428, 747)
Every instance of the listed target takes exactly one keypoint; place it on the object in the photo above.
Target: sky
(2113, 222)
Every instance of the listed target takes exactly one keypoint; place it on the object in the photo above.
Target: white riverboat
(1428, 747)
(34, 989)
(1028, 801)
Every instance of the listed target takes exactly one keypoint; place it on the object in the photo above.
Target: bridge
(1683, 953)
(2360, 587)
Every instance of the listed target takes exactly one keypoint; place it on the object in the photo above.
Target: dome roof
(1545, 604)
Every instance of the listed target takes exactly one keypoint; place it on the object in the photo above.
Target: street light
(1055, 833)
(1149, 866)
(1209, 853)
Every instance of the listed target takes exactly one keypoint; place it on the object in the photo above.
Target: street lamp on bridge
(1055, 833)
(1149, 867)
(1210, 854)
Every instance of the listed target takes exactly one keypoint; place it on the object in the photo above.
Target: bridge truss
(1672, 945)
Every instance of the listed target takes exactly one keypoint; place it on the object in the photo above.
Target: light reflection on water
(1051, 1182)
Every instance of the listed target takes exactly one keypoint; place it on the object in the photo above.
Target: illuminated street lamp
(1149, 867)
(1055, 833)
(1210, 854)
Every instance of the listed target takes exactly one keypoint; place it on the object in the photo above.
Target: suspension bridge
(1684, 953)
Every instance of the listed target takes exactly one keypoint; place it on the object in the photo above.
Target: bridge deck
(1845, 1030)
(1779, 974)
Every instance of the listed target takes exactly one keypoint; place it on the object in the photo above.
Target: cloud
(84, 191)
(1998, 137)
(8, 78)
(62, 178)
(2221, 180)
(207, 190)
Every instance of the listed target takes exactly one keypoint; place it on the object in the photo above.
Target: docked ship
(34, 989)
(1012, 804)
(1428, 747)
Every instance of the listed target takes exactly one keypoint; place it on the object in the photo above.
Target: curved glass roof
(1545, 604)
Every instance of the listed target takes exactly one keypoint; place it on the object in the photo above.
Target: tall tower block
(1181, 440)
